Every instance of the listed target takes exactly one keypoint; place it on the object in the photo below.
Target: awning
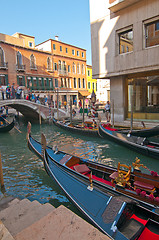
(84, 93)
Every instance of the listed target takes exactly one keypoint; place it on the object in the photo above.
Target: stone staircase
(26, 220)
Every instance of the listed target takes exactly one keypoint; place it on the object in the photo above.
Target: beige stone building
(125, 49)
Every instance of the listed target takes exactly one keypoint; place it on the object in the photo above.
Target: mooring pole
(39, 116)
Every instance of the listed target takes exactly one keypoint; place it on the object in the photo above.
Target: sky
(69, 20)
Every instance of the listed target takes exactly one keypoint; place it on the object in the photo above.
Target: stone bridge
(31, 110)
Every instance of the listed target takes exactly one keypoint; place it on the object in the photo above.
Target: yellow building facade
(91, 83)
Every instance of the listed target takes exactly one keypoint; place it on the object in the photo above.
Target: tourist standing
(13, 91)
(107, 111)
(2, 92)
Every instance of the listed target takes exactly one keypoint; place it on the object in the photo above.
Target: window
(74, 68)
(126, 41)
(66, 50)
(54, 47)
(79, 83)
(78, 68)
(64, 66)
(77, 53)
(61, 82)
(60, 48)
(69, 68)
(84, 85)
(89, 85)
(59, 65)
(65, 83)
(56, 82)
(83, 69)
(152, 34)
(93, 85)
(88, 72)
(19, 60)
(75, 84)
(48, 63)
(40, 82)
(32, 62)
(73, 52)
(55, 66)
(157, 26)
(30, 44)
(83, 54)
(1, 57)
(69, 83)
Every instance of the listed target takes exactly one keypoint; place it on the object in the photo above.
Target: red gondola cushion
(114, 175)
(82, 168)
(139, 219)
(143, 185)
(148, 235)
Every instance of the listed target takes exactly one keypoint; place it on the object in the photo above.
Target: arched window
(79, 83)
(75, 84)
(1, 57)
(48, 63)
(19, 60)
(84, 85)
(78, 68)
(59, 65)
(32, 62)
(74, 68)
(61, 82)
(83, 69)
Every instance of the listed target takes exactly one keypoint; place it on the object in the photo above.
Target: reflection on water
(24, 175)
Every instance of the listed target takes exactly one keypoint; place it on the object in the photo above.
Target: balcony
(63, 72)
(116, 5)
(20, 68)
(4, 65)
(33, 68)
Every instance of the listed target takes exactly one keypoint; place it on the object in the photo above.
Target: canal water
(24, 174)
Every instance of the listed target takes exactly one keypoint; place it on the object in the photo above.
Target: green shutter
(23, 80)
(42, 80)
(28, 83)
(47, 84)
(37, 83)
(17, 80)
(6, 79)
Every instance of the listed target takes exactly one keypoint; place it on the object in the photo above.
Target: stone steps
(26, 220)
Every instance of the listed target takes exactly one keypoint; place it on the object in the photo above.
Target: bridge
(31, 110)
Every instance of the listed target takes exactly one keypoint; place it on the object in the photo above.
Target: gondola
(115, 213)
(139, 144)
(84, 129)
(145, 132)
(6, 127)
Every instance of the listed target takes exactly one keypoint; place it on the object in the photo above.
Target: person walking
(107, 111)
(2, 92)
(13, 91)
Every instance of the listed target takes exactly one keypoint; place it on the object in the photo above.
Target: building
(45, 68)
(125, 49)
(91, 83)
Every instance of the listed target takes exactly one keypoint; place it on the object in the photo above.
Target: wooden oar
(9, 123)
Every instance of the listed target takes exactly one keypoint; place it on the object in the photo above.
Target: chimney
(56, 38)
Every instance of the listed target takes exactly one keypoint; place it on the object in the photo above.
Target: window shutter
(23, 80)
(37, 83)
(17, 80)
(42, 79)
(47, 83)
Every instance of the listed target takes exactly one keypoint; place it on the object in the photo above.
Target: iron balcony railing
(20, 67)
(3, 65)
(63, 72)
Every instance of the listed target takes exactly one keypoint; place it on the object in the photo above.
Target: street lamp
(93, 100)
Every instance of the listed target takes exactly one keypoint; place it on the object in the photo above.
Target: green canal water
(24, 174)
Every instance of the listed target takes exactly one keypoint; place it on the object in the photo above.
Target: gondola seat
(126, 174)
(144, 186)
(82, 168)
